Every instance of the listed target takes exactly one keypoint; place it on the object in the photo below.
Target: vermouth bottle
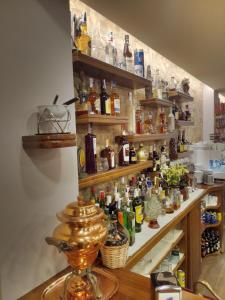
(90, 151)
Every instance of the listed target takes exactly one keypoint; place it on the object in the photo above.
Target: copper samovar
(80, 235)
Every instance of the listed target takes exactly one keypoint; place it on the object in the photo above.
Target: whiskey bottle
(83, 41)
(93, 100)
(105, 100)
(111, 51)
(115, 100)
(90, 151)
(128, 57)
(109, 154)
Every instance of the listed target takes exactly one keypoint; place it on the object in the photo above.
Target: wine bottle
(90, 151)
(138, 210)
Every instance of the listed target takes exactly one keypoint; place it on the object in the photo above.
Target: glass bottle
(184, 141)
(187, 113)
(138, 210)
(105, 100)
(148, 90)
(157, 88)
(93, 197)
(83, 41)
(128, 56)
(139, 120)
(90, 151)
(111, 51)
(171, 121)
(131, 112)
(109, 154)
(93, 99)
(132, 155)
(123, 154)
(162, 117)
(116, 234)
(115, 100)
(141, 154)
(172, 84)
(148, 124)
(180, 147)
(131, 225)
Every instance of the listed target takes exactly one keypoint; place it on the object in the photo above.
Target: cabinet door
(194, 246)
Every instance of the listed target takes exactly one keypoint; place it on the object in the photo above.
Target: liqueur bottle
(128, 56)
(123, 155)
(132, 155)
(171, 121)
(83, 41)
(105, 100)
(109, 154)
(93, 100)
(90, 151)
(111, 51)
(138, 210)
(115, 100)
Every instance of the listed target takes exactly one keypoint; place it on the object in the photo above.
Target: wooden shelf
(49, 141)
(106, 176)
(180, 262)
(184, 123)
(101, 120)
(149, 137)
(210, 207)
(101, 70)
(165, 251)
(155, 102)
(205, 226)
(184, 154)
(180, 97)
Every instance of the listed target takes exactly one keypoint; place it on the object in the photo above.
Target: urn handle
(61, 245)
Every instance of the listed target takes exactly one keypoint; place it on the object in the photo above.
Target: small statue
(185, 83)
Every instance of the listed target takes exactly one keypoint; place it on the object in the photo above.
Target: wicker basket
(114, 257)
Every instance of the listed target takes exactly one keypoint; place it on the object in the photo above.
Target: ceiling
(189, 33)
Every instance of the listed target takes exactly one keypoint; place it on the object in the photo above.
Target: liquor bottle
(132, 155)
(172, 84)
(102, 199)
(171, 121)
(93, 197)
(187, 113)
(131, 112)
(138, 210)
(139, 66)
(184, 141)
(157, 88)
(156, 160)
(180, 147)
(141, 154)
(131, 224)
(83, 41)
(109, 154)
(148, 124)
(93, 100)
(105, 100)
(148, 90)
(128, 57)
(115, 100)
(123, 154)
(111, 51)
(162, 126)
(139, 120)
(90, 151)
(175, 110)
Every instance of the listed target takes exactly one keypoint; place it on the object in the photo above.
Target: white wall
(208, 112)
(35, 65)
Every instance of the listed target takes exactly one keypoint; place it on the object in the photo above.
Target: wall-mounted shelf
(100, 119)
(149, 137)
(184, 154)
(180, 97)
(101, 70)
(184, 123)
(48, 141)
(155, 102)
(106, 176)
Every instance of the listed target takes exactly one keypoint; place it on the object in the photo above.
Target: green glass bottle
(138, 210)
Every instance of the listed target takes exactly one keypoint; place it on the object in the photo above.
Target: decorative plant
(175, 175)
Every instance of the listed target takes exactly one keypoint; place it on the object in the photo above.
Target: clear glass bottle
(148, 124)
(93, 100)
(131, 112)
(172, 84)
(171, 121)
(90, 151)
(148, 90)
(157, 88)
(162, 126)
(128, 56)
(111, 51)
(83, 41)
(115, 100)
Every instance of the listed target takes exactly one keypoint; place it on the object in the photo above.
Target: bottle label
(133, 158)
(117, 105)
(94, 145)
(126, 152)
(108, 106)
(113, 160)
(138, 214)
(97, 105)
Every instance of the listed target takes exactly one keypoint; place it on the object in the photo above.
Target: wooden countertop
(131, 287)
